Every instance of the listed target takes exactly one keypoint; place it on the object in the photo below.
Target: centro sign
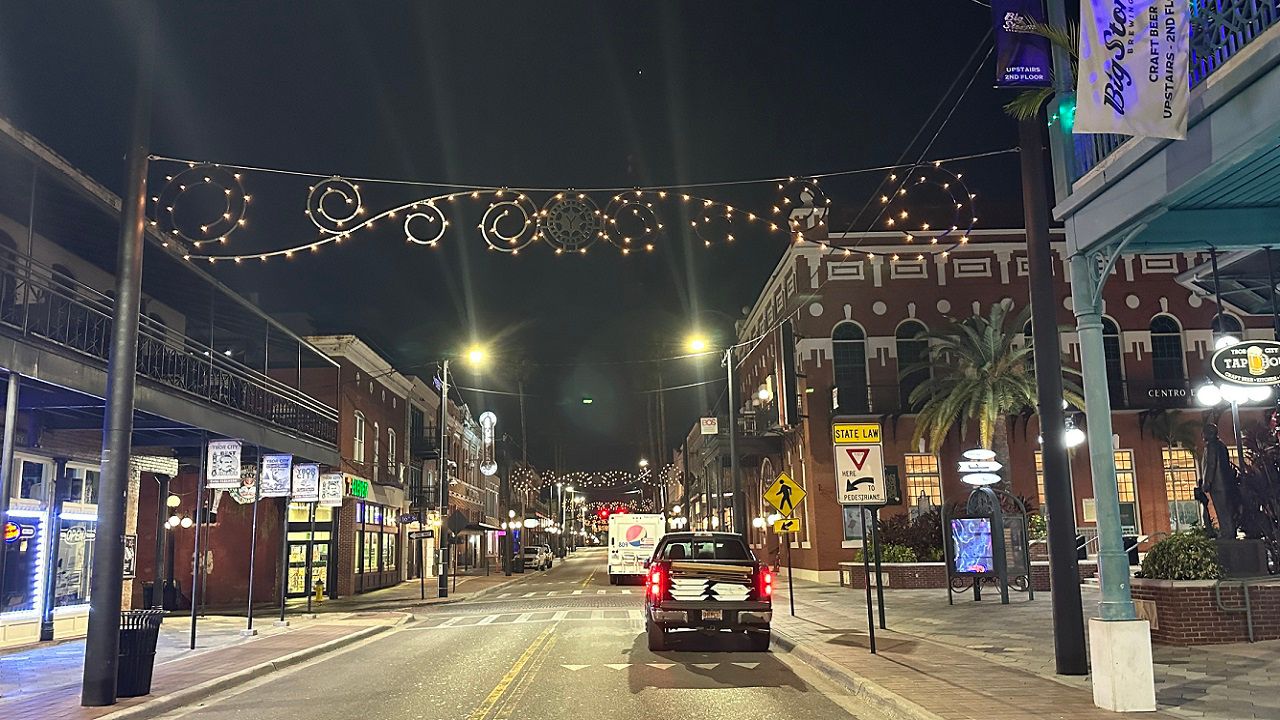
(1251, 362)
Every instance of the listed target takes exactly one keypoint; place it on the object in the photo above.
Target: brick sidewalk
(202, 674)
(916, 678)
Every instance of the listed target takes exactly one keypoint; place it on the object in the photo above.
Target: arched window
(1114, 355)
(357, 446)
(1167, 360)
(1224, 325)
(849, 353)
(913, 350)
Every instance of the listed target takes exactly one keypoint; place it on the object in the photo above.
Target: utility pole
(1068, 612)
(102, 642)
(735, 477)
(444, 542)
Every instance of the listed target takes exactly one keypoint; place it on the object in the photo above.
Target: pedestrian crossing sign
(786, 525)
(784, 494)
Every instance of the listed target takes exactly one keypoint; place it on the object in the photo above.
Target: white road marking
(505, 595)
(487, 620)
(524, 617)
(575, 668)
(626, 592)
(451, 621)
(528, 594)
(618, 666)
(553, 592)
(601, 592)
(749, 666)
(662, 666)
(706, 666)
(577, 592)
(560, 615)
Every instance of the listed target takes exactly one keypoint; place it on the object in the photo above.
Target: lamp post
(696, 343)
(476, 356)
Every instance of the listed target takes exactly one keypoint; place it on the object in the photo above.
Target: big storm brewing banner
(1022, 55)
(1133, 68)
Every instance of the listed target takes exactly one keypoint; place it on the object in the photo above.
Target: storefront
(377, 546)
(310, 547)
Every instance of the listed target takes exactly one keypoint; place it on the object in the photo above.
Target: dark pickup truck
(707, 582)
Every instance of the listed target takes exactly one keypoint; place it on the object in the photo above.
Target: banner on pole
(1022, 55)
(1134, 59)
(306, 482)
(276, 473)
(332, 489)
(223, 466)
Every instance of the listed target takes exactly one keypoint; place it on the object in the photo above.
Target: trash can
(139, 630)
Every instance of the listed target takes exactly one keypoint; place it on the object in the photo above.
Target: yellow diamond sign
(784, 494)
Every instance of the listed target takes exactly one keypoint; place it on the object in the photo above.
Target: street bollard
(319, 591)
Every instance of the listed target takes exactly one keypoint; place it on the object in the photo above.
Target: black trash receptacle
(139, 630)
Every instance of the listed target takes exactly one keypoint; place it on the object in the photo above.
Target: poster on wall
(1134, 60)
(1022, 55)
(275, 476)
(223, 466)
(130, 567)
(306, 482)
(332, 489)
(247, 491)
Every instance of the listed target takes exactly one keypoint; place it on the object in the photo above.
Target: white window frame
(357, 446)
(377, 442)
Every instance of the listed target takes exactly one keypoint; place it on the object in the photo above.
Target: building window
(1224, 325)
(377, 441)
(1127, 490)
(1115, 361)
(924, 483)
(1180, 475)
(75, 562)
(1167, 359)
(23, 571)
(391, 453)
(849, 357)
(913, 349)
(357, 450)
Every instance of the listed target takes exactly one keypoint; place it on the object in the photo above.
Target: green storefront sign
(357, 487)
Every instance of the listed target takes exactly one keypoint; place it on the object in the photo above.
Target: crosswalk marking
(528, 594)
(487, 619)
(560, 615)
(505, 595)
(626, 592)
(524, 617)
(451, 621)
(577, 592)
(553, 592)
(601, 592)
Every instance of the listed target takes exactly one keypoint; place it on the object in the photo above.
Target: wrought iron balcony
(40, 304)
(1220, 29)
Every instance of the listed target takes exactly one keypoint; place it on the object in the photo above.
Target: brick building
(858, 317)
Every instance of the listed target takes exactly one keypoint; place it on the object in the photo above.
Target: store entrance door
(303, 574)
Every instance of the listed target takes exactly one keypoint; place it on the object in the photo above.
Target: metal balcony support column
(102, 644)
(1113, 562)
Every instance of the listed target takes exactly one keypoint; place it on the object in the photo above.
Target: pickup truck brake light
(765, 583)
(656, 584)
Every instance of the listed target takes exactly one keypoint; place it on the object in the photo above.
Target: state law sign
(1134, 58)
(860, 475)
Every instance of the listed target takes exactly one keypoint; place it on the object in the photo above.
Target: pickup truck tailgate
(704, 581)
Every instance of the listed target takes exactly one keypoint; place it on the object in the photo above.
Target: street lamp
(696, 343)
(476, 356)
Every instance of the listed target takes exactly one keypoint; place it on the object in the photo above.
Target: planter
(934, 575)
(1187, 612)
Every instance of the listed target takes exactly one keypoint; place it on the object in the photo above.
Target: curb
(885, 702)
(174, 700)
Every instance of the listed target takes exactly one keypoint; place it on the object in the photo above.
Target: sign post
(860, 480)
(784, 494)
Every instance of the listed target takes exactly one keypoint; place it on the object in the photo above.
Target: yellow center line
(589, 579)
(483, 710)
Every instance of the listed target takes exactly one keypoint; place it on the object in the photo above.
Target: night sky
(557, 94)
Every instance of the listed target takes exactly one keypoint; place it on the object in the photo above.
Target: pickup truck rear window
(706, 550)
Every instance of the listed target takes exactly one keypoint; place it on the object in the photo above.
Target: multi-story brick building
(859, 318)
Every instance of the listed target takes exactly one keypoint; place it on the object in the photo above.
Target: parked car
(536, 558)
(707, 582)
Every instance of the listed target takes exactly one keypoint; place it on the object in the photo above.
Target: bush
(891, 553)
(1037, 527)
(1190, 555)
(922, 534)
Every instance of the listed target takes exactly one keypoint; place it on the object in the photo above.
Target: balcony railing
(1219, 30)
(39, 302)
(1131, 394)
(424, 442)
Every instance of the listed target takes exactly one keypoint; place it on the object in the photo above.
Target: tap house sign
(1252, 362)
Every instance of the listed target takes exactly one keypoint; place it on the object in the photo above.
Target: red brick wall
(1186, 613)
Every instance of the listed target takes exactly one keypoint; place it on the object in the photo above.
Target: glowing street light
(696, 343)
(644, 463)
(476, 355)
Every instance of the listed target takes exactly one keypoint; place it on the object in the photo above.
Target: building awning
(480, 527)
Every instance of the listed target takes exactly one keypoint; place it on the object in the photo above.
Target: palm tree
(981, 372)
(1028, 103)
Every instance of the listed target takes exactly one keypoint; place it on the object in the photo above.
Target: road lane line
(483, 710)
(589, 579)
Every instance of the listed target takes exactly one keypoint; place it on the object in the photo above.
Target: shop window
(923, 482)
(21, 585)
(32, 479)
(1127, 489)
(1180, 476)
(82, 485)
(75, 561)
(849, 357)
(389, 552)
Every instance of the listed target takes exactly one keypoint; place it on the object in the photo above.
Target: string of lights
(526, 478)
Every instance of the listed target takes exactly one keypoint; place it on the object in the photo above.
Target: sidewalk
(47, 677)
(991, 661)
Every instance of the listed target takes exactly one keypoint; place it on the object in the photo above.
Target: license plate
(713, 615)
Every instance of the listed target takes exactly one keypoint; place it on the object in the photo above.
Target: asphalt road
(557, 644)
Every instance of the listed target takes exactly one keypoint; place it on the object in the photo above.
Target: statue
(1221, 483)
